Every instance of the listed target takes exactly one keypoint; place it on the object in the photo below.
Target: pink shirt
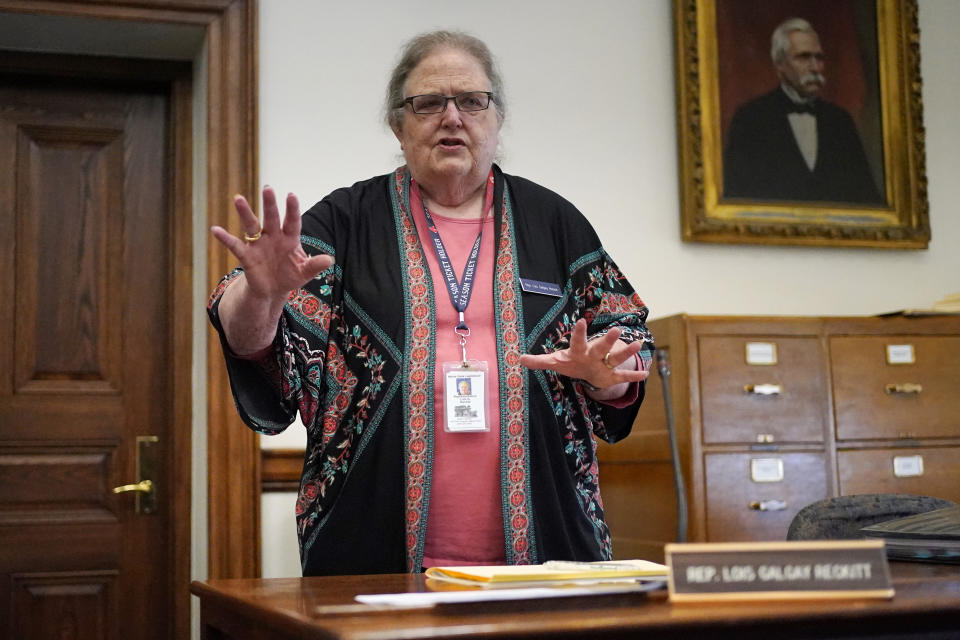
(465, 520)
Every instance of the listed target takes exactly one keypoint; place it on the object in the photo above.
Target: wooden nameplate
(778, 570)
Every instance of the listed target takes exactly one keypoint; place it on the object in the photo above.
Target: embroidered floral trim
(514, 457)
(418, 373)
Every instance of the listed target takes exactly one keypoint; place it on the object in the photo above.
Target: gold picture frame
(885, 45)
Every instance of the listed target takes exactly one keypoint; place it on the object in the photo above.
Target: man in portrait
(791, 144)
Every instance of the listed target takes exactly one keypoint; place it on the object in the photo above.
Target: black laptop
(926, 537)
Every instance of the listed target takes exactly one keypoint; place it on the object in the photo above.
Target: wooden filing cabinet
(773, 413)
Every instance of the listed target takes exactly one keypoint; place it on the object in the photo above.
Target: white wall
(610, 148)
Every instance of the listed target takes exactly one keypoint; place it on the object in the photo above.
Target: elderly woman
(453, 338)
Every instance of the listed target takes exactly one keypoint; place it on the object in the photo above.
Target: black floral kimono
(354, 354)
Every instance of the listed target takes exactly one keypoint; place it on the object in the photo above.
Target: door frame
(231, 141)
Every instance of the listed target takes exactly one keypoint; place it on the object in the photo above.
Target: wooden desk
(927, 604)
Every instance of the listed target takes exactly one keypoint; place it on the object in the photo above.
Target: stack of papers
(552, 573)
(554, 579)
(948, 305)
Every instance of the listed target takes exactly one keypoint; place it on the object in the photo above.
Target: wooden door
(86, 351)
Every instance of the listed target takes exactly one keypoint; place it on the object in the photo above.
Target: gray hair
(779, 41)
(414, 52)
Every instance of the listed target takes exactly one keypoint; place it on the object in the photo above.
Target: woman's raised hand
(273, 260)
(604, 362)
(274, 264)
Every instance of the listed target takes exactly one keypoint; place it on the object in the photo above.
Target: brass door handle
(144, 486)
(146, 467)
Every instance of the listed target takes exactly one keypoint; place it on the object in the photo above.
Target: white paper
(431, 598)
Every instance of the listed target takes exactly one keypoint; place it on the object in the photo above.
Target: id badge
(465, 397)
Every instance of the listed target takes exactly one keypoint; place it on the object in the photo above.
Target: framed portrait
(800, 122)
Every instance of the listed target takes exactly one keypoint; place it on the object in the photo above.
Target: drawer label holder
(907, 466)
(900, 354)
(808, 570)
(761, 353)
(766, 469)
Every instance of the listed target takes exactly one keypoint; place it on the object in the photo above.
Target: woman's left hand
(603, 362)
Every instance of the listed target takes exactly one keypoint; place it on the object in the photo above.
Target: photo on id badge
(464, 409)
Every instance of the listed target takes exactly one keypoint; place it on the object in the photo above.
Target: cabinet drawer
(877, 399)
(734, 493)
(925, 471)
(794, 412)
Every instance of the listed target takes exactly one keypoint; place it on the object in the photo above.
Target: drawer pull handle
(763, 389)
(768, 505)
(906, 387)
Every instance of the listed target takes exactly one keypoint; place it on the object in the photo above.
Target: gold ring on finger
(252, 238)
(606, 361)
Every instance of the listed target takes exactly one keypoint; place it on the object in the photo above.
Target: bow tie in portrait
(801, 107)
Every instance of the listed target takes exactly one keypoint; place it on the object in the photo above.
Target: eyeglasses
(436, 103)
